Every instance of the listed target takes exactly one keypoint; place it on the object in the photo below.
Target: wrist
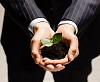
(67, 27)
(41, 25)
(70, 23)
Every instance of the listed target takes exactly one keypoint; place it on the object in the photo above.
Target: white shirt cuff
(71, 23)
(35, 21)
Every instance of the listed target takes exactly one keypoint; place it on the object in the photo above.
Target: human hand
(50, 66)
(71, 41)
(42, 30)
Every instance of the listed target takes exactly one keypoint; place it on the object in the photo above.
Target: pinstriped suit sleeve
(23, 11)
(82, 12)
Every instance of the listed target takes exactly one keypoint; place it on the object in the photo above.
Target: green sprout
(54, 40)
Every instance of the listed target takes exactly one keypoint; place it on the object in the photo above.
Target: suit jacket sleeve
(22, 11)
(82, 13)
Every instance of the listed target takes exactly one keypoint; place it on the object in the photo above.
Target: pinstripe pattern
(80, 11)
(17, 45)
(24, 8)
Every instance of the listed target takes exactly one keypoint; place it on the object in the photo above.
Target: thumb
(72, 50)
(35, 44)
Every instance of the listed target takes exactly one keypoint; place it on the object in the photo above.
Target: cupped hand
(50, 66)
(71, 41)
(41, 30)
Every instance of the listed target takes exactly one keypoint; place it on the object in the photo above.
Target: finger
(42, 64)
(57, 70)
(49, 67)
(70, 58)
(41, 47)
(48, 61)
(53, 68)
(77, 53)
(61, 61)
(35, 50)
(36, 58)
(73, 49)
(45, 58)
(59, 67)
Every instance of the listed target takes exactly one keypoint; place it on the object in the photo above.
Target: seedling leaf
(47, 42)
(56, 38)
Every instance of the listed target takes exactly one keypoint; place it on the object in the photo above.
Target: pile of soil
(56, 51)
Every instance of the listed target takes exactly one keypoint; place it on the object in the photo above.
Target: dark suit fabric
(16, 37)
(21, 67)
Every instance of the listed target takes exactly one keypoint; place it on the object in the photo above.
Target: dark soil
(57, 51)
